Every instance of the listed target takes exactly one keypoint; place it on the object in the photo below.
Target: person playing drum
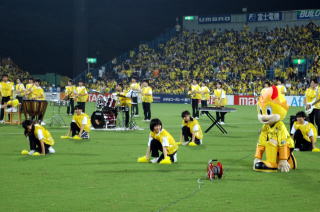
(37, 92)
(80, 125)
(124, 100)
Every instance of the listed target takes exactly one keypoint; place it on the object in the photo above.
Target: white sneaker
(197, 118)
(221, 123)
(175, 157)
(51, 150)
(296, 149)
(31, 152)
(154, 160)
(2, 122)
(43, 123)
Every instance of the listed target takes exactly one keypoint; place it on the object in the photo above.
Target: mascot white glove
(283, 166)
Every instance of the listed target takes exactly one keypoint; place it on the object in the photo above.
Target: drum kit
(110, 116)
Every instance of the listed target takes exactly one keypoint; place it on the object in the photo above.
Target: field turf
(102, 174)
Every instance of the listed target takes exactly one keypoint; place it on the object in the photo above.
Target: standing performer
(312, 95)
(124, 100)
(80, 125)
(135, 87)
(147, 99)
(6, 92)
(70, 93)
(220, 100)
(205, 95)
(160, 140)
(40, 139)
(29, 87)
(81, 95)
(20, 90)
(304, 134)
(37, 92)
(191, 130)
(195, 97)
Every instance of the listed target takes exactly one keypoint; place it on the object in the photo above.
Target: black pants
(135, 107)
(4, 100)
(195, 107)
(187, 135)
(82, 105)
(314, 118)
(35, 144)
(300, 142)
(204, 103)
(146, 110)
(70, 106)
(220, 116)
(127, 117)
(156, 147)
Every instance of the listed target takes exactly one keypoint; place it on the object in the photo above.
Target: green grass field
(102, 174)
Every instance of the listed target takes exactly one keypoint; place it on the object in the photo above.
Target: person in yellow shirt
(191, 130)
(304, 134)
(195, 94)
(281, 87)
(20, 90)
(70, 94)
(37, 92)
(135, 87)
(81, 95)
(80, 125)
(6, 92)
(220, 100)
(147, 99)
(124, 100)
(29, 86)
(40, 139)
(205, 95)
(160, 140)
(311, 95)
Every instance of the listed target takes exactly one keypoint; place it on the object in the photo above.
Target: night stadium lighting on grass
(189, 18)
(298, 61)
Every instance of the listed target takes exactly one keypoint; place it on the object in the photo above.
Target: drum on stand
(34, 109)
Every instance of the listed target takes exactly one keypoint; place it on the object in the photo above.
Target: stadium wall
(262, 21)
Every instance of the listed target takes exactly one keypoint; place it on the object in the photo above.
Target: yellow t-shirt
(70, 91)
(282, 89)
(146, 98)
(82, 119)
(6, 89)
(166, 139)
(311, 95)
(80, 90)
(37, 93)
(194, 127)
(195, 88)
(123, 99)
(307, 129)
(43, 134)
(29, 89)
(205, 93)
(13, 103)
(221, 98)
(20, 89)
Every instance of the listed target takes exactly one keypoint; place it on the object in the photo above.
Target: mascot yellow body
(274, 139)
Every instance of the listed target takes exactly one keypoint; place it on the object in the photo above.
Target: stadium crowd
(240, 60)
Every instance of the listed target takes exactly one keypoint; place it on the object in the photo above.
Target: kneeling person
(40, 139)
(191, 130)
(304, 134)
(80, 125)
(160, 140)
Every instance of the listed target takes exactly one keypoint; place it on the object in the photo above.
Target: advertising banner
(308, 14)
(214, 19)
(264, 16)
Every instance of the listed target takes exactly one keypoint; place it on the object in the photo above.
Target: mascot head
(272, 106)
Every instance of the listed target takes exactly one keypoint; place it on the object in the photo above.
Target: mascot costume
(274, 139)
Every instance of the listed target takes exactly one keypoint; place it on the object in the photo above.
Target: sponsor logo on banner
(94, 96)
(245, 100)
(295, 101)
(264, 16)
(167, 98)
(214, 19)
(308, 14)
(52, 96)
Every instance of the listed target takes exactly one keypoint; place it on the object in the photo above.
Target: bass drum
(97, 120)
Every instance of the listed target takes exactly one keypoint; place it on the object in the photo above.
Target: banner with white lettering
(308, 14)
(214, 19)
(264, 16)
(52, 96)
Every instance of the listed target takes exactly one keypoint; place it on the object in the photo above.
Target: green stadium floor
(102, 174)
